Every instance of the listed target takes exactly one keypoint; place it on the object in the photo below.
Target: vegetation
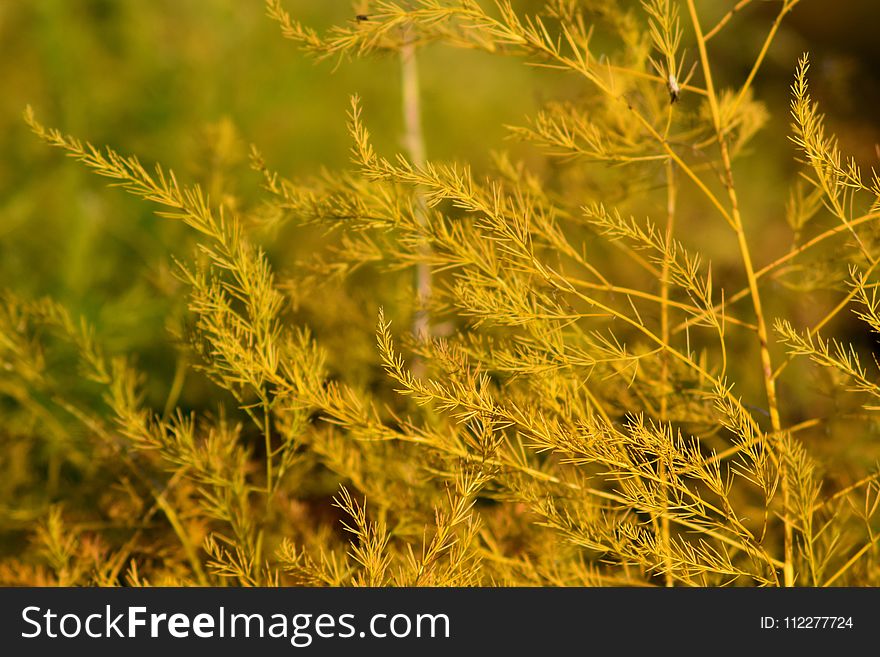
(523, 373)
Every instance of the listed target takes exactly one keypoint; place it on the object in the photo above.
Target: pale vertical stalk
(745, 253)
(671, 198)
(415, 145)
(412, 104)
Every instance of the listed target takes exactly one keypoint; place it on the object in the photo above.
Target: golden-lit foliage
(592, 403)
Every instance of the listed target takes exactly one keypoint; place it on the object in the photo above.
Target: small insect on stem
(361, 18)
(674, 88)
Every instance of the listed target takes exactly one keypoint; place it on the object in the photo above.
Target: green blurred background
(167, 80)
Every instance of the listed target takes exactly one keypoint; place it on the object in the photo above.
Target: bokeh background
(192, 83)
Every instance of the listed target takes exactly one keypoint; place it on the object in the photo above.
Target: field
(439, 293)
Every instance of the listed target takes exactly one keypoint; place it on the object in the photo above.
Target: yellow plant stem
(766, 269)
(659, 299)
(651, 76)
(852, 560)
(751, 547)
(739, 6)
(831, 314)
(580, 62)
(787, 6)
(766, 361)
(664, 334)
(846, 491)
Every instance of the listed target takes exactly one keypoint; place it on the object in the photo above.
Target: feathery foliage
(567, 394)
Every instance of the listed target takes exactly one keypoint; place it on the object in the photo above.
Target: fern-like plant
(569, 393)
